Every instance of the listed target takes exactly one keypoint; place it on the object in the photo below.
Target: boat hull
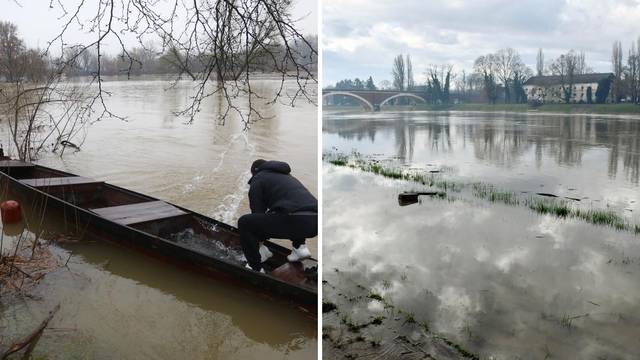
(82, 222)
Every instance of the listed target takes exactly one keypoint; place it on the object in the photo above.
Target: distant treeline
(499, 77)
(19, 63)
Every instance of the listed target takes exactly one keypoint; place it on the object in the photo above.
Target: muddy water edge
(115, 303)
(480, 274)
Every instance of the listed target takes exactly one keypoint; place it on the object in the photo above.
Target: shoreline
(560, 109)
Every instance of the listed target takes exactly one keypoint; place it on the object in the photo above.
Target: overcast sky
(361, 37)
(37, 23)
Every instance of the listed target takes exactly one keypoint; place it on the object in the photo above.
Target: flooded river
(119, 304)
(462, 276)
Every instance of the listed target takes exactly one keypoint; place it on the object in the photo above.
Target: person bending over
(281, 208)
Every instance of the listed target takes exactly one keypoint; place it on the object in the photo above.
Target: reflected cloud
(501, 286)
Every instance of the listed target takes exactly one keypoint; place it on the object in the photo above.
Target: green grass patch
(389, 173)
(490, 193)
(604, 217)
(338, 162)
(558, 209)
(410, 319)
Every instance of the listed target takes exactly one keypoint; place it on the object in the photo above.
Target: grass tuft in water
(328, 306)
(558, 209)
(462, 351)
(338, 162)
(604, 217)
(490, 193)
(410, 319)
(389, 173)
(425, 326)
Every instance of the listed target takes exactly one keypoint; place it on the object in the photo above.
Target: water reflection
(500, 140)
(500, 280)
(594, 158)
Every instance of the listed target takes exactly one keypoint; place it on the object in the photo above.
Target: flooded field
(477, 274)
(116, 303)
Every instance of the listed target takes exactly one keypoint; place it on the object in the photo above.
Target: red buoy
(11, 212)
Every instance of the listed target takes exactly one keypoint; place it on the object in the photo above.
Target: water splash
(207, 246)
(227, 210)
(197, 180)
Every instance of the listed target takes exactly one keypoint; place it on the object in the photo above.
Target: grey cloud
(457, 31)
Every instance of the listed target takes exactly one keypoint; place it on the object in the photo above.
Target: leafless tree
(581, 65)
(616, 61)
(44, 115)
(398, 72)
(632, 73)
(485, 67)
(385, 85)
(507, 63)
(461, 85)
(540, 63)
(439, 82)
(218, 44)
(565, 68)
(11, 50)
(410, 81)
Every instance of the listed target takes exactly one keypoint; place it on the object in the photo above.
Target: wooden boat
(159, 229)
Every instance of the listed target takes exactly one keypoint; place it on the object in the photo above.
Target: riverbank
(613, 109)
(601, 109)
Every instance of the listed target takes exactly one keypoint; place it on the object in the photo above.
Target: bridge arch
(366, 102)
(402, 95)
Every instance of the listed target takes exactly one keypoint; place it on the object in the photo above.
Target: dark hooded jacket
(273, 189)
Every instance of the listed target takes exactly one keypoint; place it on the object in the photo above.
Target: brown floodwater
(462, 274)
(116, 303)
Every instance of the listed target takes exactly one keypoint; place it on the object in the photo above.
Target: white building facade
(549, 89)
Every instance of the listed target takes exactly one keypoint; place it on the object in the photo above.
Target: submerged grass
(558, 209)
(338, 162)
(490, 193)
(605, 217)
(328, 306)
(555, 207)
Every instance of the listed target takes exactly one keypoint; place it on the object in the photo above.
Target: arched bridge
(373, 100)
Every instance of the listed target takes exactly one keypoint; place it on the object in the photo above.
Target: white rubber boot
(300, 253)
(250, 268)
(265, 253)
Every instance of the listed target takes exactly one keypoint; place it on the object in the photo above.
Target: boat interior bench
(59, 181)
(139, 212)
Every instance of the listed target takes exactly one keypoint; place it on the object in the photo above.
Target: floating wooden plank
(59, 181)
(14, 163)
(139, 213)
